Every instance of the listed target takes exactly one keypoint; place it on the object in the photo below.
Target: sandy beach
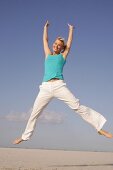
(36, 159)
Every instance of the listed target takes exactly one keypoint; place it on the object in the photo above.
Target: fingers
(47, 23)
(71, 26)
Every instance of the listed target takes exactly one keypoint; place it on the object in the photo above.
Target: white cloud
(51, 117)
(16, 117)
(46, 117)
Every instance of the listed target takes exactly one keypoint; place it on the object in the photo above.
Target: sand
(36, 159)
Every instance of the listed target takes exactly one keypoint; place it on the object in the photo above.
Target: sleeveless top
(54, 67)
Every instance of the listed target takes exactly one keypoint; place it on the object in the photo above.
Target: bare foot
(17, 141)
(106, 134)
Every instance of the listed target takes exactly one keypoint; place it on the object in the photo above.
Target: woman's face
(58, 46)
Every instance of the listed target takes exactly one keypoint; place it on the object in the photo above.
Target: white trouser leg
(41, 102)
(88, 114)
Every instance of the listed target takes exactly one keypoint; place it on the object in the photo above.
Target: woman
(53, 85)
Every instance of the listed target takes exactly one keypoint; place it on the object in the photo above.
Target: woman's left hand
(70, 26)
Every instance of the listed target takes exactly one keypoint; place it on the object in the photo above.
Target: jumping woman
(53, 86)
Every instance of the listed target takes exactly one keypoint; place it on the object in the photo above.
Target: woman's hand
(70, 26)
(47, 24)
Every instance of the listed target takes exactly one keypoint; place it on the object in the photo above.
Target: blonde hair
(63, 41)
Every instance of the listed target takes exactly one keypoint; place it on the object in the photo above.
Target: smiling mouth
(55, 49)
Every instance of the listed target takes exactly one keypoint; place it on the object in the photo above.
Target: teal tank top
(54, 67)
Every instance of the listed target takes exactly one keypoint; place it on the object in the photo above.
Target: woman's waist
(53, 79)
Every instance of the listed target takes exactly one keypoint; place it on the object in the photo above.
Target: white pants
(58, 89)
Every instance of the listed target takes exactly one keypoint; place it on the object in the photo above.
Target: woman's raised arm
(69, 41)
(45, 39)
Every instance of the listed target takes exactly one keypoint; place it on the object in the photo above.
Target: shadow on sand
(84, 165)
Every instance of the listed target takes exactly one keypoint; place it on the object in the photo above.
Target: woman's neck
(55, 53)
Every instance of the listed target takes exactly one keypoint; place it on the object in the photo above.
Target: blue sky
(88, 71)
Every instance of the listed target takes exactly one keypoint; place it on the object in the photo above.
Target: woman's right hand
(47, 23)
